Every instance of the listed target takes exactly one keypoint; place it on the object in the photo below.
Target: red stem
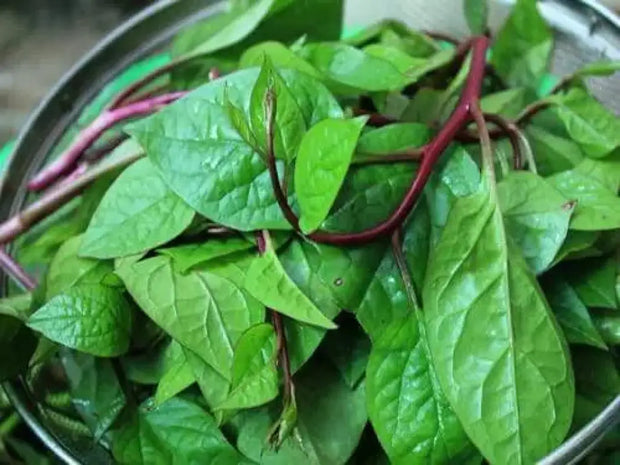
(89, 136)
(276, 318)
(12, 269)
(136, 86)
(457, 121)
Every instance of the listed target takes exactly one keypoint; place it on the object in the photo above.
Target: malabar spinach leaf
(597, 382)
(322, 163)
(68, 269)
(480, 294)
(280, 55)
(139, 212)
(590, 124)
(406, 406)
(190, 255)
(598, 207)
(95, 390)
(268, 282)
(607, 323)
(476, 14)
(571, 312)
(204, 312)
(331, 418)
(254, 372)
(536, 216)
(523, 46)
(178, 374)
(175, 433)
(90, 318)
(595, 281)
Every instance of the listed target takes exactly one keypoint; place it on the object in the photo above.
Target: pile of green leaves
(485, 328)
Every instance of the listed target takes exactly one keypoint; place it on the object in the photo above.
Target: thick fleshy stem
(57, 197)
(122, 97)
(508, 128)
(15, 271)
(431, 153)
(65, 162)
(276, 318)
(270, 117)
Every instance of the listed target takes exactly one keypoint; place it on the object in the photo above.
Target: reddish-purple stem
(457, 121)
(12, 269)
(136, 86)
(276, 318)
(89, 136)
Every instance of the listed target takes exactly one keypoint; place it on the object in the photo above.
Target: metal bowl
(585, 32)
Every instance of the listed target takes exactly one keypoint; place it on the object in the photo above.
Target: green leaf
(523, 46)
(536, 217)
(590, 124)
(145, 366)
(598, 68)
(298, 260)
(202, 311)
(459, 177)
(221, 176)
(222, 30)
(177, 432)
(416, 243)
(289, 123)
(576, 242)
(368, 196)
(331, 418)
(348, 350)
(90, 318)
(597, 382)
(96, 392)
(598, 207)
(477, 15)
(346, 65)
(385, 299)
(507, 103)
(254, 375)
(397, 34)
(67, 269)
(268, 282)
(607, 323)
(594, 280)
(570, 311)
(178, 374)
(280, 55)
(322, 163)
(139, 212)
(479, 294)
(402, 61)
(17, 345)
(393, 138)
(406, 406)
(553, 153)
(213, 386)
(17, 306)
(188, 256)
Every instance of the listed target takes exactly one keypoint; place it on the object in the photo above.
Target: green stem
(485, 140)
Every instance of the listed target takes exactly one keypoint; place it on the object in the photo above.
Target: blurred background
(40, 40)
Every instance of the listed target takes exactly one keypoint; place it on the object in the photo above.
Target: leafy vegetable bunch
(392, 248)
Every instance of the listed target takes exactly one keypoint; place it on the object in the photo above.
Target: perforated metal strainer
(584, 32)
